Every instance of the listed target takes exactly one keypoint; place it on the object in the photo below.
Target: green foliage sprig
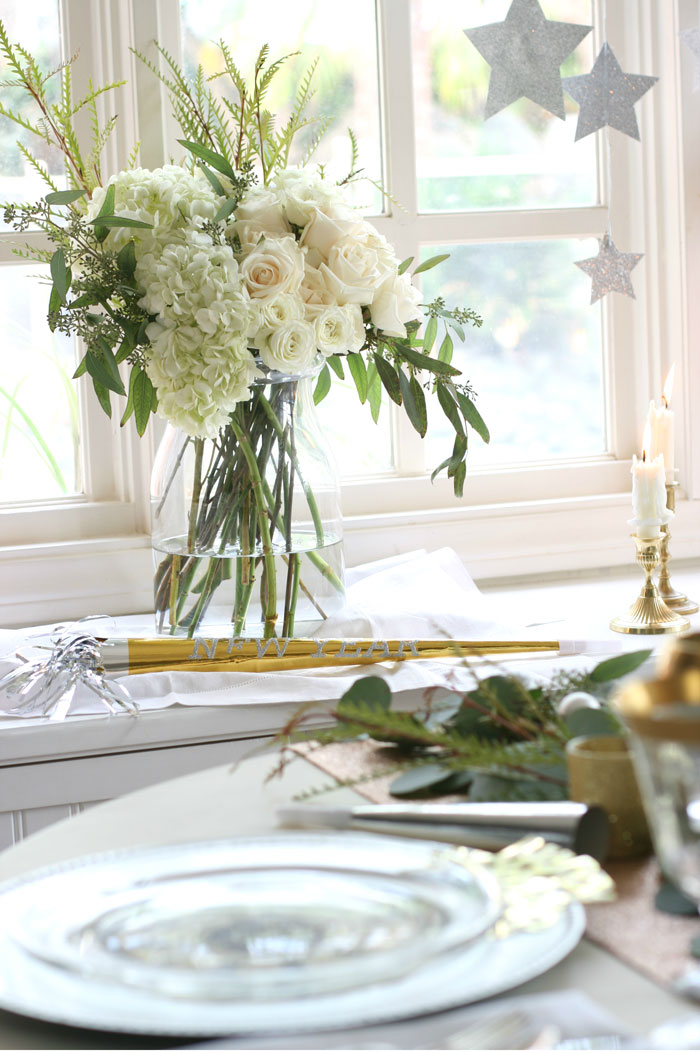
(501, 740)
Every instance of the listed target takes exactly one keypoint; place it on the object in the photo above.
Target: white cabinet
(49, 771)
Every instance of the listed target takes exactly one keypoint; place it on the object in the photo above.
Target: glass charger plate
(143, 941)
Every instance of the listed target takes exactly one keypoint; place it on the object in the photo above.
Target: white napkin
(418, 595)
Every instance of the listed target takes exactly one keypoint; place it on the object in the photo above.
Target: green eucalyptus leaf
(125, 348)
(450, 407)
(419, 779)
(102, 393)
(63, 197)
(85, 300)
(372, 692)
(126, 259)
(225, 211)
(82, 368)
(432, 262)
(671, 900)
(414, 403)
(374, 391)
(213, 159)
(60, 274)
(457, 328)
(54, 307)
(106, 209)
(216, 184)
(405, 264)
(430, 334)
(389, 378)
(336, 364)
(620, 665)
(459, 477)
(119, 221)
(472, 416)
(436, 471)
(358, 371)
(103, 373)
(446, 349)
(416, 358)
(323, 385)
(141, 394)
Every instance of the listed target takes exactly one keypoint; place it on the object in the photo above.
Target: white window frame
(88, 555)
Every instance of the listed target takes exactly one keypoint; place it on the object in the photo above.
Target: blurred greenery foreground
(194, 284)
(503, 740)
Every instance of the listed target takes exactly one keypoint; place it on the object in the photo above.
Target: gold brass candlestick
(649, 613)
(677, 601)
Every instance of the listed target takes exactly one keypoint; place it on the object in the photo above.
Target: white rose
(257, 216)
(274, 266)
(289, 348)
(314, 291)
(323, 232)
(287, 307)
(302, 190)
(396, 303)
(339, 330)
(358, 265)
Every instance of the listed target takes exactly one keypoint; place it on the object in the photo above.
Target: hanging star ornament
(609, 271)
(607, 96)
(691, 38)
(525, 53)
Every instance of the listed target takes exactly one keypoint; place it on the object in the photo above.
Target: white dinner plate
(225, 937)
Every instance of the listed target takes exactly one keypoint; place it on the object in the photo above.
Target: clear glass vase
(247, 529)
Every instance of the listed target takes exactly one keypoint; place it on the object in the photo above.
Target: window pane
(522, 157)
(342, 36)
(38, 400)
(360, 446)
(36, 27)
(536, 363)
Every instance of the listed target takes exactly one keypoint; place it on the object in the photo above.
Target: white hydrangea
(199, 379)
(195, 282)
(171, 199)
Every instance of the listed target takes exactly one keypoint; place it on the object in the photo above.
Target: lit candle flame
(646, 440)
(668, 385)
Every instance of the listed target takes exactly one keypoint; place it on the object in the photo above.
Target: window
(515, 201)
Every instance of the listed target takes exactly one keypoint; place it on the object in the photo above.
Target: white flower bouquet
(219, 286)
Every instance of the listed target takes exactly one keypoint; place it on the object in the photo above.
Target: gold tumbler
(601, 772)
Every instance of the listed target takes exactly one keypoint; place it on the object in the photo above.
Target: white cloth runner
(418, 595)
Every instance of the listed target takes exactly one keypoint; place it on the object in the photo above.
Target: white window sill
(112, 575)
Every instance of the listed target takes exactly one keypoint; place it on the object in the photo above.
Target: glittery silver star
(525, 53)
(609, 271)
(607, 96)
(691, 38)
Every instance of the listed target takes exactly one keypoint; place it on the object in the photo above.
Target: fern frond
(324, 124)
(37, 166)
(133, 156)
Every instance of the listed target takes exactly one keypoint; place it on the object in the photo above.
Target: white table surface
(228, 801)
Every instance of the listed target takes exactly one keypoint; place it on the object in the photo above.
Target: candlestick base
(649, 614)
(677, 601)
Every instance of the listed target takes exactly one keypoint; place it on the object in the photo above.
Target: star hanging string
(607, 96)
(691, 38)
(609, 271)
(525, 53)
